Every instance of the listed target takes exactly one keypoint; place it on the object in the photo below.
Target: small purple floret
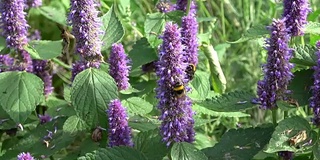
(39, 69)
(119, 68)
(44, 118)
(119, 130)
(315, 99)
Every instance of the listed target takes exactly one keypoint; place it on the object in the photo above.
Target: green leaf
(143, 124)
(45, 49)
(67, 92)
(304, 55)
(174, 16)
(91, 92)
(206, 111)
(137, 106)
(240, 144)
(286, 131)
(113, 29)
(230, 102)
(153, 26)
(300, 86)
(200, 85)
(115, 153)
(151, 145)
(312, 28)
(316, 150)
(253, 33)
(142, 53)
(204, 141)
(15, 97)
(53, 14)
(2, 43)
(74, 124)
(186, 151)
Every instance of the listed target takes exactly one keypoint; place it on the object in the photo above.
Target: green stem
(274, 116)
(59, 62)
(188, 6)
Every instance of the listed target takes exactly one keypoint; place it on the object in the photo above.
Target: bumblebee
(190, 70)
(179, 89)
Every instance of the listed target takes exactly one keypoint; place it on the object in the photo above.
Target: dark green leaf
(142, 53)
(67, 92)
(206, 111)
(113, 29)
(291, 134)
(200, 85)
(253, 33)
(53, 14)
(137, 105)
(240, 144)
(230, 102)
(300, 86)
(15, 97)
(74, 125)
(115, 153)
(316, 150)
(151, 145)
(45, 49)
(174, 16)
(91, 92)
(304, 55)
(186, 151)
(312, 28)
(153, 26)
(2, 43)
(143, 124)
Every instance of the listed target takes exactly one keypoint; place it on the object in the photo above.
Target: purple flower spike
(315, 99)
(5, 62)
(39, 69)
(25, 156)
(296, 12)
(277, 71)
(34, 3)
(119, 130)
(176, 113)
(189, 30)
(183, 4)
(44, 118)
(119, 68)
(86, 29)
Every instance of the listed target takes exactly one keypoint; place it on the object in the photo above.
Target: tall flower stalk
(296, 12)
(86, 28)
(176, 114)
(315, 99)
(119, 130)
(277, 71)
(119, 68)
(15, 29)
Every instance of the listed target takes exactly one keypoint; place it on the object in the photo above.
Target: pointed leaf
(291, 134)
(137, 105)
(253, 33)
(312, 28)
(53, 14)
(206, 111)
(153, 26)
(74, 124)
(300, 86)
(91, 92)
(304, 55)
(151, 145)
(113, 29)
(15, 97)
(115, 153)
(142, 53)
(186, 151)
(45, 49)
(230, 102)
(200, 86)
(240, 144)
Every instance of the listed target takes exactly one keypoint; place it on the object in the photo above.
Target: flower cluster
(119, 68)
(278, 69)
(165, 6)
(87, 30)
(295, 13)
(119, 130)
(176, 114)
(315, 99)
(25, 156)
(183, 4)
(14, 28)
